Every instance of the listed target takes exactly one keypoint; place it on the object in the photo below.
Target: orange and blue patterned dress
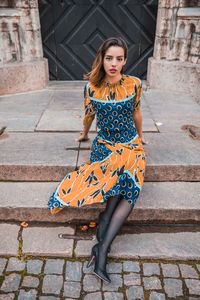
(117, 159)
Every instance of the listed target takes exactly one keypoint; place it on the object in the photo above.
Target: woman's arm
(137, 117)
(84, 133)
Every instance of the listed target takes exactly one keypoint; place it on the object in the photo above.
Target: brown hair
(97, 74)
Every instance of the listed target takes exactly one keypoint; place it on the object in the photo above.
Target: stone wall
(176, 61)
(22, 66)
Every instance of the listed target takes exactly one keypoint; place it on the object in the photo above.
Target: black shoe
(101, 229)
(100, 263)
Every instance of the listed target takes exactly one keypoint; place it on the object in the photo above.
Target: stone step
(159, 202)
(43, 156)
(45, 241)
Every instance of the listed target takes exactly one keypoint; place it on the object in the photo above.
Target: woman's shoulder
(133, 80)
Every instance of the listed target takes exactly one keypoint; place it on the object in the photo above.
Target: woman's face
(114, 61)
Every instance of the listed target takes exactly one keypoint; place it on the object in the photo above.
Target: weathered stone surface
(39, 149)
(180, 245)
(22, 112)
(114, 267)
(92, 296)
(151, 269)
(45, 241)
(116, 283)
(9, 244)
(193, 285)
(152, 283)
(34, 266)
(170, 203)
(170, 270)
(73, 271)
(188, 271)
(30, 281)
(113, 296)
(173, 287)
(52, 284)
(91, 283)
(3, 262)
(15, 264)
(27, 295)
(11, 283)
(198, 267)
(54, 266)
(48, 298)
(130, 266)
(156, 296)
(72, 289)
(134, 293)
(9, 296)
(132, 279)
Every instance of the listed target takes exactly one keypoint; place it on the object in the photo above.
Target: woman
(115, 172)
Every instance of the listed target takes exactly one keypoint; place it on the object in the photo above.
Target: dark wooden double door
(72, 31)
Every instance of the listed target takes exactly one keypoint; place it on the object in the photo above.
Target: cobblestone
(193, 285)
(129, 266)
(170, 270)
(151, 269)
(173, 287)
(93, 296)
(11, 283)
(188, 271)
(156, 296)
(9, 296)
(152, 283)
(54, 266)
(15, 264)
(91, 283)
(30, 281)
(48, 279)
(116, 283)
(52, 284)
(27, 295)
(34, 266)
(114, 268)
(135, 293)
(3, 262)
(73, 271)
(72, 289)
(113, 296)
(132, 279)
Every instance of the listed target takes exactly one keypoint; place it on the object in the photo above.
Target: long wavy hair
(97, 73)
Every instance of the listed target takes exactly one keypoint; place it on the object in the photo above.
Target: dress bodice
(113, 106)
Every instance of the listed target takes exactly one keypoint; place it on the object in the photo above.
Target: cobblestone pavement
(58, 278)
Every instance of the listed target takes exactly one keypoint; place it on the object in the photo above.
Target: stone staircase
(38, 148)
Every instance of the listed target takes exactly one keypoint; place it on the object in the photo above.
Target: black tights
(116, 212)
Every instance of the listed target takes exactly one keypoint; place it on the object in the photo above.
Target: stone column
(175, 64)
(22, 66)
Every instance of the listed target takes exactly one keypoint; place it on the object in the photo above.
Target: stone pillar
(22, 66)
(175, 64)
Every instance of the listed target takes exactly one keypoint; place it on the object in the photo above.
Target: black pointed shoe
(100, 263)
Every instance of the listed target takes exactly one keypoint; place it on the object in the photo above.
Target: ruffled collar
(119, 82)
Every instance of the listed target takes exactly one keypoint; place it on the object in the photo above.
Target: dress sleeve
(88, 107)
(138, 93)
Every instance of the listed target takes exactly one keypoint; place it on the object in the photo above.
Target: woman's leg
(111, 204)
(121, 213)
(105, 216)
(119, 216)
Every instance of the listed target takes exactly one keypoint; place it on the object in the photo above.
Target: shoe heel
(91, 261)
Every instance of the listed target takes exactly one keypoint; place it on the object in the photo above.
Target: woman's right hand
(83, 137)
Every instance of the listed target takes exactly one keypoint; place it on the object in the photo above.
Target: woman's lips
(112, 70)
